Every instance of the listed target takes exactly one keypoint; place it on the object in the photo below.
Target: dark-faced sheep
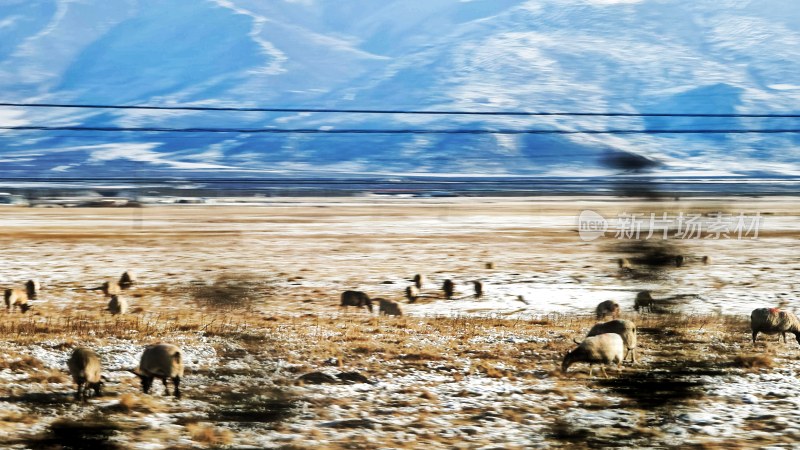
(449, 288)
(32, 288)
(478, 289)
(774, 321)
(605, 348)
(644, 300)
(624, 328)
(679, 260)
(356, 298)
(412, 293)
(608, 307)
(706, 259)
(163, 361)
(86, 370)
(419, 280)
(126, 280)
(388, 307)
(117, 305)
(16, 297)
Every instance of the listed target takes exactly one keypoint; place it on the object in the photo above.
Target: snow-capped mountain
(631, 56)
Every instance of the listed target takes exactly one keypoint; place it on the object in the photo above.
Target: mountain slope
(479, 55)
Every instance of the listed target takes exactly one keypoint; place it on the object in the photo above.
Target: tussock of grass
(421, 356)
(96, 326)
(493, 372)
(18, 417)
(129, 403)
(48, 376)
(209, 434)
(754, 361)
(230, 291)
(428, 395)
(25, 363)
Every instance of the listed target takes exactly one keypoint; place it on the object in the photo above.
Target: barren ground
(251, 293)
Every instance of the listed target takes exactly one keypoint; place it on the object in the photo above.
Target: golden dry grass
(306, 249)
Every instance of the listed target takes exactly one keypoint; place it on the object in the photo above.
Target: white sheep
(110, 288)
(604, 348)
(16, 297)
(774, 321)
(86, 370)
(412, 293)
(624, 328)
(161, 361)
(118, 305)
(388, 307)
(607, 307)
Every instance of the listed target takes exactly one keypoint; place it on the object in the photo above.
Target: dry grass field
(251, 295)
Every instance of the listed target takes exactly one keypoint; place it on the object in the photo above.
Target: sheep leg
(755, 333)
(166, 387)
(147, 381)
(784, 337)
(79, 393)
(603, 371)
(176, 381)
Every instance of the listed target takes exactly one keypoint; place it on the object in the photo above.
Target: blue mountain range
(582, 56)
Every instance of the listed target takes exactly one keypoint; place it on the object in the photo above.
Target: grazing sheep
(388, 307)
(706, 259)
(644, 300)
(356, 298)
(161, 361)
(773, 321)
(419, 280)
(32, 289)
(16, 297)
(448, 287)
(85, 368)
(607, 307)
(126, 280)
(679, 260)
(118, 305)
(412, 293)
(110, 288)
(604, 348)
(625, 329)
(478, 289)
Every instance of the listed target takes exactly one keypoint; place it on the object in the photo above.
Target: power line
(397, 131)
(391, 111)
